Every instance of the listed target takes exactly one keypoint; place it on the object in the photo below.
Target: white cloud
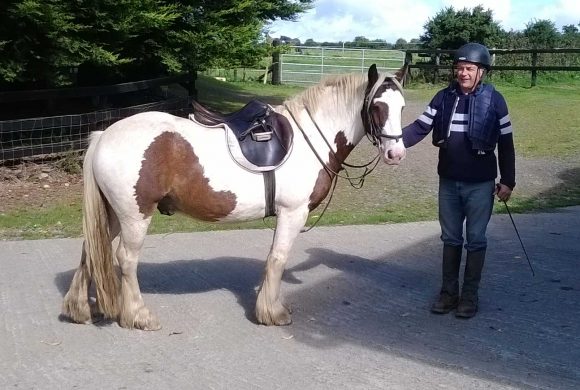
(564, 12)
(343, 20)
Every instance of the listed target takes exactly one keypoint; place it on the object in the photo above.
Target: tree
(570, 29)
(570, 36)
(43, 42)
(450, 29)
(514, 40)
(542, 34)
(401, 44)
(360, 41)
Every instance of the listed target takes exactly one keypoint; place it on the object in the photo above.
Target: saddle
(263, 136)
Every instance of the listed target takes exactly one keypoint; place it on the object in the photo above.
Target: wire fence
(45, 137)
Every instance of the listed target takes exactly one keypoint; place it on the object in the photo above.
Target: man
(469, 120)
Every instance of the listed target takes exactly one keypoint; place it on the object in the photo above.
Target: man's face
(468, 75)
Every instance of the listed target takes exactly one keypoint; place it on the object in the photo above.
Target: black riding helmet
(473, 52)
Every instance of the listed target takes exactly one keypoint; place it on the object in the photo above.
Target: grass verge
(546, 122)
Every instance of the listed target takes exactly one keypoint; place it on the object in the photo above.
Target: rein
(359, 179)
(356, 182)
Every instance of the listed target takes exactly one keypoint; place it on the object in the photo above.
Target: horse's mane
(345, 87)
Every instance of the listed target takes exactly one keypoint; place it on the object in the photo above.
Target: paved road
(360, 297)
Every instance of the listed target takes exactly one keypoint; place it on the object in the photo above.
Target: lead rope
(359, 179)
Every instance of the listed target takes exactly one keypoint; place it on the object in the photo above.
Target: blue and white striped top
(458, 160)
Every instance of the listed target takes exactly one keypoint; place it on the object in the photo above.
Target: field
(307, 65)
(43, 200)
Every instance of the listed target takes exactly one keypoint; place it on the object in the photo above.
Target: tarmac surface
(360, 297)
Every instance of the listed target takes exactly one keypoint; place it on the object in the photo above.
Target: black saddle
(265, 136)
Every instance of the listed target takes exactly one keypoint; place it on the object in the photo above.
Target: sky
(343, 20)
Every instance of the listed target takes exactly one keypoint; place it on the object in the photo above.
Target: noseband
(372, 129)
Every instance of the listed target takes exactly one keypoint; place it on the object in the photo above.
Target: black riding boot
(469, 299)
(449, 295)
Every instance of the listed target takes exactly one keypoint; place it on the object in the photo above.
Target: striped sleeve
(505, 125)
(505, 148)
(416, 131)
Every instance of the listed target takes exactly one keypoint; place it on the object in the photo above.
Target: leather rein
(357, 181)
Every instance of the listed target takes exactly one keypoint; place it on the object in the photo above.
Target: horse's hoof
(76, 311)
(143, 319)
(279, 317)
(283, 320)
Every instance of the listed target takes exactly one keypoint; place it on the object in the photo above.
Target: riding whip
(518, 234)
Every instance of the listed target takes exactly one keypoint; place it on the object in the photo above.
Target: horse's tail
(97, 237)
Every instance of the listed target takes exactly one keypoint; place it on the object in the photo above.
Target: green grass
(227, 97)
(546, 122)
(63, 220)
(546, 118)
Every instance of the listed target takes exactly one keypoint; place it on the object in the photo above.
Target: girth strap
(270, 193)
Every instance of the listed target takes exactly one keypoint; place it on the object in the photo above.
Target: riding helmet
(473, 52)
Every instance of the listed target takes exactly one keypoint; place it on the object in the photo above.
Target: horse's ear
(373, 75)
(401, 74)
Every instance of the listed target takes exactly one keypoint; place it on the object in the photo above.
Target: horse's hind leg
(76, 306)
(76, 301)
(269, 309)
(134, 313)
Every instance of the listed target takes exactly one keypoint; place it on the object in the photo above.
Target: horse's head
(381, 114)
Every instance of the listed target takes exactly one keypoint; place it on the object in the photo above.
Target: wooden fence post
(276, 64)
(189, 84)
(534, 64)
(408, 62)
(436, 71)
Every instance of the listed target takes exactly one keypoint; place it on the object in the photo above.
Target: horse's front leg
(269, 309)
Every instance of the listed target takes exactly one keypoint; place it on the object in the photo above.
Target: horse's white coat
(123, 151)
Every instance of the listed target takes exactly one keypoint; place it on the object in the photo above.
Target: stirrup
(261, 136)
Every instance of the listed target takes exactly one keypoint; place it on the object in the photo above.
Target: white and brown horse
(147, 158)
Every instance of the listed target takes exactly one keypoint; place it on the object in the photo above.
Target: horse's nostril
(390, 154)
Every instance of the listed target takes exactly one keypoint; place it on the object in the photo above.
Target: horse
(154, 159)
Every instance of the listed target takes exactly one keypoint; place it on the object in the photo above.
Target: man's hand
(503, 192)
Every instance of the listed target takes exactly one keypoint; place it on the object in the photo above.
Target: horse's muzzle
(394, 154)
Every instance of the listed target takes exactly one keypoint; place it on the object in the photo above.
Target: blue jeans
(467, 202)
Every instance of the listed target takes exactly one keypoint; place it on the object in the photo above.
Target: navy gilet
(482, 120)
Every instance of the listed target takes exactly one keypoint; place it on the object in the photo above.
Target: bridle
(373, 130)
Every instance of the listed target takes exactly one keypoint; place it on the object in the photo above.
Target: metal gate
(307, 65)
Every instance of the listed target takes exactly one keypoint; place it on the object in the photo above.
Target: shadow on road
(527, 332)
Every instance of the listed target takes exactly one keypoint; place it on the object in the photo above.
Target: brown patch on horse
(324, 180)
(380, 114)
(172, 176)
